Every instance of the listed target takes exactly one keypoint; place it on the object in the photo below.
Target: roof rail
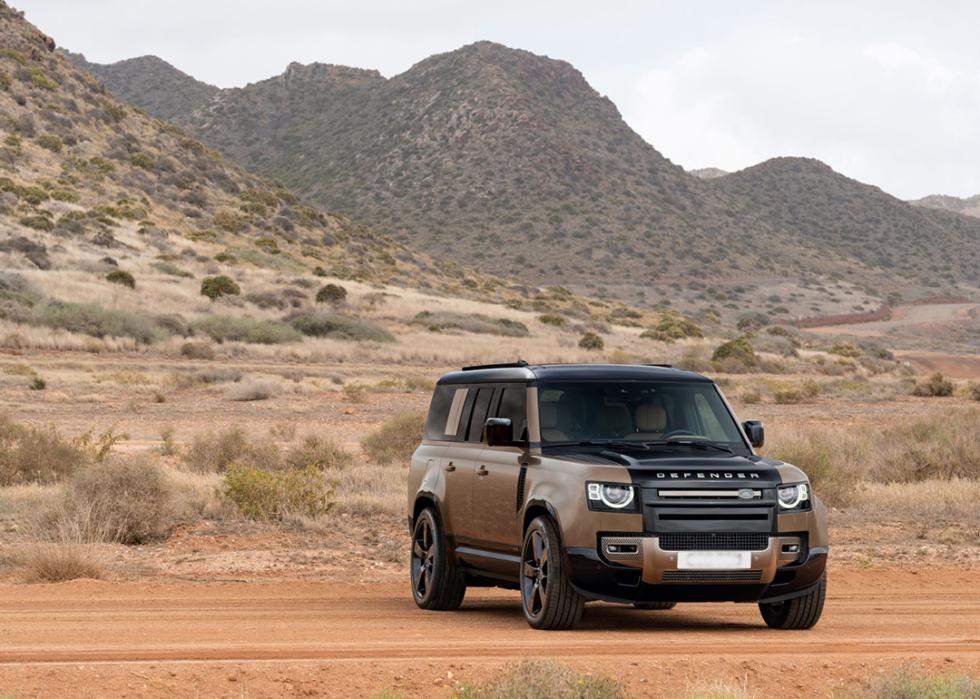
(520, 363)
(664, 366)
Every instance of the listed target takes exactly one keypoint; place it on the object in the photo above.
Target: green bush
(271, 495)
(240, 329)
(38, 384)
(38, 223)
(142, 160)
(119, 276)
(268, 245)
(39, 79)
(737, 353)
(846, 349)
(396, 439)
(221, 285)
(591, 341)
(935, 386)
(334, 294)
(672, 327)
(339, 327)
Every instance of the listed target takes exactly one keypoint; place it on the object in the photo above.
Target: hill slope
(150, 82)
(512, 162)
(969, 206)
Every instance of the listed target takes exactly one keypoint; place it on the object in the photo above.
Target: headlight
(794, 497)
(618, 497)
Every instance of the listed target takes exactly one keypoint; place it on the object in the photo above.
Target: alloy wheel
(423, 557)
(534, 578)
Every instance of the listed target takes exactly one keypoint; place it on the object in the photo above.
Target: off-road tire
(797, 613)
(547, 597)
(655, 605)
(444, 585)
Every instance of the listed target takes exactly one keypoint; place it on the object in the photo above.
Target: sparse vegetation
(935, 386)
(334, 294)
(251, 390)
(339, 327)
(671, 328)
(395, 440)
(591, 341)
(545, 679)
(242, 329)
(121, 277)
(30, 454)
(445, 321)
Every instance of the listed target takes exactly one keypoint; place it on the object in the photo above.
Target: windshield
(635, 411)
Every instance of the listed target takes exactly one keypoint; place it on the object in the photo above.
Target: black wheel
(437, 583)
(797, 613)
(547, 596)
(655, 605)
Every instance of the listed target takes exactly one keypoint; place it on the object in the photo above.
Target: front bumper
(651, 573)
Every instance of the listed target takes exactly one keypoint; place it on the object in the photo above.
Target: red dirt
(331, 639)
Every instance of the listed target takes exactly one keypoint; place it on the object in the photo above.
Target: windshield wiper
(696, 443)
(617, 444)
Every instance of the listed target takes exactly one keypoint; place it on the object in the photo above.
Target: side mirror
(755, 432)
(498, 432)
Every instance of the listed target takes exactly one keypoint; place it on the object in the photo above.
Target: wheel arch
(423, 500)
(535, 508)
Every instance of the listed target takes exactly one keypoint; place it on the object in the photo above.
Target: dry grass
(31, 454)
(61, 561)
(544, 679)
(720, 690)
(909, 683)
(251, 390)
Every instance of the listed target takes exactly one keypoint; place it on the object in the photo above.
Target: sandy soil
(305, 639)
(924, 315)
(956, 366)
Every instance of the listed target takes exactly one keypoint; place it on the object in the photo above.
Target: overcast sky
(885, 92)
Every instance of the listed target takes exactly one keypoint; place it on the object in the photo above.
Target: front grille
(712, 576)
(714, 541)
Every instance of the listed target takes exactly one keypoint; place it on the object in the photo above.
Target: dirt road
(307, 639)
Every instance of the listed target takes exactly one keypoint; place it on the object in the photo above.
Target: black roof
(519, 373)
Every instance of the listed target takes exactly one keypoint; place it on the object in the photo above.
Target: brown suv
(624, 483)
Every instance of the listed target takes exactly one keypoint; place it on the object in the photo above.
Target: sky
(885, 92)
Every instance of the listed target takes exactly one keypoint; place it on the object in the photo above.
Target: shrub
(553, 319)
(910, 684)
(334, 294)
(751, 397)
(229, 221)
(319, 452)
(61, 561)
(470, 322)
(940, 446)
(197, 350)
(974, 391)
(38, 384)
(355, 392)
(591, 341)
(39, 79)
(339, 327)
(547, 680)
(807, 390)
(90, 319)
(214, 452)
(142, 160)
(129, 501)
(170, 269)
(221, 285)
(251, 390)
(396, 439)
(122, 277)
(38, 223)
(832, 458)
(934, 386)
(31, 454)
(846, 349)
(239, 329)
(266, 495)
(671, 328)
(736, 355)
(50, 142)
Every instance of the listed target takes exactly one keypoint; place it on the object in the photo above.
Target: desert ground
(296, 603)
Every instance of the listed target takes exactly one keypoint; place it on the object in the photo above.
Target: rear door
(495, 526)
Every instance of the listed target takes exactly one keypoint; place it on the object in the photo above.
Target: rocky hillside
(511, 162)
(708, 173)
(84, 176)
(152, 83)
(969, 206)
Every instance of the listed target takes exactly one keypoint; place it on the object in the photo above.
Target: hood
(687, 469)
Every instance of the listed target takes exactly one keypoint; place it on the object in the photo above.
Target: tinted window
(513, 404)
(442, 402)
(479, 415)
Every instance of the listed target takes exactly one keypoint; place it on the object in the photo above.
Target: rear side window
(444, 399)
(513, 404)
(479, 415)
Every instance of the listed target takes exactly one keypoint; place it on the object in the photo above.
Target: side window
(444, 412)
(513, 404)
(479, 414)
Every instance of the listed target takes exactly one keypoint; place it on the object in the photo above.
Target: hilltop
(969, 206)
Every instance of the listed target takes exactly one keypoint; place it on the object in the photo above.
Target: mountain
(511, 162)
(969, 206)
(708, 173)
(85, 177)
(150, 82)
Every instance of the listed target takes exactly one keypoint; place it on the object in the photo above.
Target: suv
(623, 483)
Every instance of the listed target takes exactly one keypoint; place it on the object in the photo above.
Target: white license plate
(714, 560)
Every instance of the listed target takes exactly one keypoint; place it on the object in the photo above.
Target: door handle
(482, 471)
(450, 467)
